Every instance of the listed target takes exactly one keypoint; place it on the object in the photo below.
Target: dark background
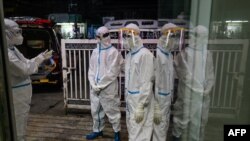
(94, 10)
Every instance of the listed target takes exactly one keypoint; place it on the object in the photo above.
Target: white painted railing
(229, 58)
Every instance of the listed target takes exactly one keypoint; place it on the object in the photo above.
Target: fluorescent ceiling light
(236, 21)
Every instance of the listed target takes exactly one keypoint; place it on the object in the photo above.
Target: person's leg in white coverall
(139, 75)
(104, 68)
(164, 80)
(194, 68)
(20, 71)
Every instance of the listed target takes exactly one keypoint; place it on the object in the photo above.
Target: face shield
(128, 38)
(171, 39)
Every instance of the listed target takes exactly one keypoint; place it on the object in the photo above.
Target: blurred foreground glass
(228, 36)
(7, 124)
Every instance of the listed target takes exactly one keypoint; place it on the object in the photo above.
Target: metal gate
(75, 62)
(229, 57)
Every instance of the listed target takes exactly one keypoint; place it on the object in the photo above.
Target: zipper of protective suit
(99, 63)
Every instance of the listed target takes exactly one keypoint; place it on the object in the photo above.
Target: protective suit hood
(103, 38)
(198, 37)
(13, 33)
(132, 40)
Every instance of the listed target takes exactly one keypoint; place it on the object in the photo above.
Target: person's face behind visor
(128, 38)
(104, 40)
(169, 40)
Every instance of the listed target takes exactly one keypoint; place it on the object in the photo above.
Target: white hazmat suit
(104, 68)
(194, 68)
(20, 71)
(164, 80)
(139, 75)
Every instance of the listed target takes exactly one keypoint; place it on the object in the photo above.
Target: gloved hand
(208, 85)
(43, 56)
(39, 59)
(47, 54)
(96, 88)
(157, 114)
(139, 113)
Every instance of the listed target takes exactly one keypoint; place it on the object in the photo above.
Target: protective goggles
(103, 36)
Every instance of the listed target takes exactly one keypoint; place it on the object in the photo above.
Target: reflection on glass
(194, 68)
(68, 30)
(164, 79)
(229, 29)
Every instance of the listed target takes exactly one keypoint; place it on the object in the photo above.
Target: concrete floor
(48, 122)
(49, 103)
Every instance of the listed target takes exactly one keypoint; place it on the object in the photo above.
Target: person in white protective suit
(20, 70)
(164, 80)
(194, 68)
(104, 68)
(139, 75)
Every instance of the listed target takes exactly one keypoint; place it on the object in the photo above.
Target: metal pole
(7, 122)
